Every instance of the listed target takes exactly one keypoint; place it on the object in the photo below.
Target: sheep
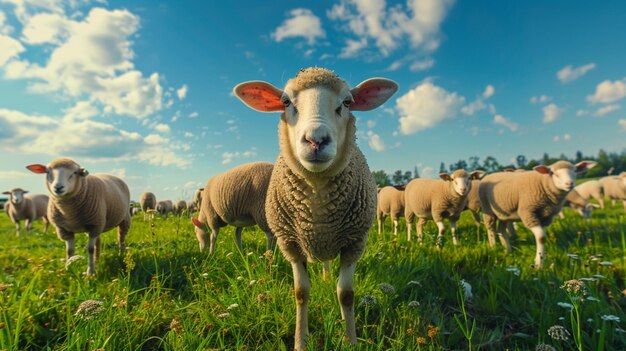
(591, 188)
(81, 202)
(390, 202)
(197, 198)
(235, 197)
(579, 204)
(179, 207)
(530, 197)
(191, 208)
(321, 199)
(437, 199)
(615, 188)
(147, 201)
(164, 208)
(27, 207)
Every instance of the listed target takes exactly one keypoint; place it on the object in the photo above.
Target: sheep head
(460, 180)
(16, 196)
(63, 176)
(316, 106)
(563, 173)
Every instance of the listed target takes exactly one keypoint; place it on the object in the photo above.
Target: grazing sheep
(134, 211)
(147, 201)
(437, 199)
(390, 202)
(81, 202)
(197, 198)
(615, 188)
(179, 207)
(191, 208)
(164, 208)
(321, 200)
(26, 207)
(591, 188)
(579, 204)
(531, 197)
(235, 197)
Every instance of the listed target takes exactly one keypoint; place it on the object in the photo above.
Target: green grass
(165, 295)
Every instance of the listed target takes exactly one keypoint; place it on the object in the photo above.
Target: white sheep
(615, 188)
(578, 204)
(26, 207)
(437, 199)
(235, 197)
(81, 202)
(533, 198)
(321, 200)
(191, 208)
(164, 208)
(179, 207)
(390, 202)
(147, 201)
(591, 189)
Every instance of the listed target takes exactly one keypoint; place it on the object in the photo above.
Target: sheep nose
(462, 190)
(58, 189)
(317, 143)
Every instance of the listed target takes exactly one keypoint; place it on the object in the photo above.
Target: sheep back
(390, 202)
(147, 201)
(432, 199)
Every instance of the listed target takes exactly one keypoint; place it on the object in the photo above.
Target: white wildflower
(231, 306)
(610, 318)
(467, 289)
(387, 288)
(89, 309)
(565, 305)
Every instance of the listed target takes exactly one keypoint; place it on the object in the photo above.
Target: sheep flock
(318, 200)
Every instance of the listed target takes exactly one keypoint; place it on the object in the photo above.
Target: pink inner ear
(260, 96)
(372, 93)
(37, 168)
(542, 169)
(196, 222)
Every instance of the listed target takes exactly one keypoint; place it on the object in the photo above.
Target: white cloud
(9, 49)
(418, 23)
(422, 65)
(371, 123)
(569, 74)
(565, 137)
(551, 113)
(45, 28)
(479, 104)
(425, 106)
(489, 91)
(303, 23)
(193, 115)
(580, 113)
(606, 110)
(622, 123)
(375, 141)
(82, 110)
(501, 120)
(229, 156)
(556, 139)
(607, 92)
(540, 99)
(162, 128)
(182, 92)
(4, 26)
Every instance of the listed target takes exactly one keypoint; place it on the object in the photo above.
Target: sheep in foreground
(437, 199)
(235, 197)
(26, 207)
(615, 188)
(390, 203)
(578, 204)
(321, 199)
(164, 208)
(591, 189)
(179, 207)
(147, 201)
(533, 198)
(81, 202)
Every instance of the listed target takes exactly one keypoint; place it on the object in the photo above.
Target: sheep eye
(286, 102)
(347, 102)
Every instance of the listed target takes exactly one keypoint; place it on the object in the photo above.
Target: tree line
(608, 163)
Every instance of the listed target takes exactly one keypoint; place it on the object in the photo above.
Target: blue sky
(142, 89)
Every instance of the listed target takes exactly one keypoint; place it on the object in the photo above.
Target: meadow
(163, 294)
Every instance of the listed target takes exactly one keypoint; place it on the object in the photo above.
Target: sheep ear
(372, 93)
(7, 193)
(25, 192)
(261, 96)
(585, 166)
(476, 175)
(83, 172)
(445, 176)
(543, 169)
(197, 223)
(37, 168)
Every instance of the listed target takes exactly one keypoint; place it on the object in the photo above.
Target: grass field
(165, 295)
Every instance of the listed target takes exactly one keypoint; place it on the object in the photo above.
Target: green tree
(521, 161)
(381, 178)
(490, 164)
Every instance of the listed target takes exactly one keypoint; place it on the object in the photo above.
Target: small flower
(513, 270)
(252, 281)
(606, 263)
(5, 286)
(565, 305)
(229, 254)
(591, 298)
(387, 288)
(89, 309)
(575, 287)
(467, 289)
(73, 259)
(250, 253)
(262, 297)
(175, 326)
(544, 347)
(610, 318)
(231, 306)
(369, 300)
(572, 256)
(558, 332)
(421, 340)
(433, 331)
(413, 304)
(589, 320)
(239, 278)
(223, 315)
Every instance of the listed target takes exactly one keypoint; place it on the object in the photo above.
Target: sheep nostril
(58, 188)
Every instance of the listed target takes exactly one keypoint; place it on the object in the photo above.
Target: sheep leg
(29, 224)
(561, 215)
(612, 202)
(238, 231)
(395, 227)
(302, 288)
(409, 220)
(440, 231)
(455, 239)
(271, 241)
(326, 270)
(345, 294)
(122, 230)
(70, 248)
(18, 227)
(502, 235)
(97, 249)
(540, 238)
(601, 201)
(46, 223)
(510, 227)
(91, 248)
(624, 202)
(380, 225)
(214, 231)
(490, 224)
(420, 229)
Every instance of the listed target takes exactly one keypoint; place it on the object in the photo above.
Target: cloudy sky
(142, 89)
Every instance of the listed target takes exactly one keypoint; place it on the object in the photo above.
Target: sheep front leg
(420, 229)
(122, 230)
(455, 239)
(409, 220)
(440, 231)
(238, 231)
(271, 240)
(213, 239)
(18, 227)
(502, 235)
(302, 288)
(29, 224)
(345, 294)
(91, 249)
(326, 270)
(540, 238)
(70, 248)
(490, 224)
(380, 225)
(395, 227)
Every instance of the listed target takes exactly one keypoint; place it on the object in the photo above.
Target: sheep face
(563, 173)
(16, 196)
(316, 106)
(62, 179)
(461, 183)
